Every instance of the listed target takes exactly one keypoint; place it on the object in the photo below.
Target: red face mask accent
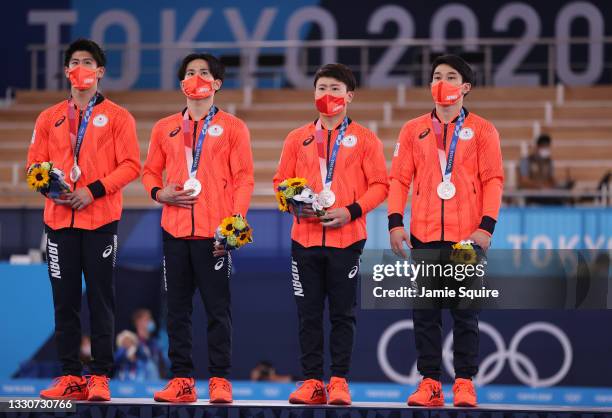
(196, 87)
(445, 94)
(82, 78)
(329, 105)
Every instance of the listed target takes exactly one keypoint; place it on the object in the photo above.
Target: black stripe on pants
(428, 327)
(70, 254)
(190, 265)
(319, 273)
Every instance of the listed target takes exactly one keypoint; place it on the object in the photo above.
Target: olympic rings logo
(491, 366)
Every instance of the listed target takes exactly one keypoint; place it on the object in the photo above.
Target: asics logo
(308, 140)
(434, 395)
(175, 131)
(424, 133)
(107, 251)
(317, 392)
(53, 256)
(219, 264)
(298, 290)
(73, 387)
(59, 122)
(353, 272)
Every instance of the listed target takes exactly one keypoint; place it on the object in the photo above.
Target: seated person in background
(145, 327)
(264, 371)
(138, 356)
(537, 171)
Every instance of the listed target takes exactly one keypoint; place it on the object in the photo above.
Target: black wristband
(395, 220)
(154, 191)
(487, 224)
(97, 189)
(355, 210)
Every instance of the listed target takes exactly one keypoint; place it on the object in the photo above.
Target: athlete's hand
(62, 200)
(306, 212)
(335, 218)
(174, 195)
(481, 239)
(219, 250)
(80, 198)
(398, 237)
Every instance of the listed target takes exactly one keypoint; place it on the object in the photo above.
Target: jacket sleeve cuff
(154, 191)
(487, 224)
(396, 220)
(97, 189)
(355, 210)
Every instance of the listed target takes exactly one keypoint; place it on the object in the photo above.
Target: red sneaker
(464, 393)
(220, 390)
(429, 393)
(97, 389)
(311, 392)
(179, 389)
(66, 387)
(338, 392)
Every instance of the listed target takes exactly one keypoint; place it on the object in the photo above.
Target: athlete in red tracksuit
(461, 204)
(95, 141)
(325, 251)
(206, 156)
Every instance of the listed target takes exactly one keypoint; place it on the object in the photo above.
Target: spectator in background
(139, 356)
(537, 172)
(264, 371)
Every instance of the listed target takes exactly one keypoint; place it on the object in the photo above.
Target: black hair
(216, 67)
(88, 45)
(543, 140)
(457, 63)
(338, 71)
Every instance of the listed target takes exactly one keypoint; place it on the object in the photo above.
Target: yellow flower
(244, 238)
(463, 256)
(227, 226)
(462, 245)
(282, 202)
(38, 178)
(297, 182)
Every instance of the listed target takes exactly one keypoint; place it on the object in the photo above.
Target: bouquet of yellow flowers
(234, 232)
(295, 193)
(44, 178)
(464, 253)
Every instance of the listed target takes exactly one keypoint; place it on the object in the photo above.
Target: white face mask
(544, 152)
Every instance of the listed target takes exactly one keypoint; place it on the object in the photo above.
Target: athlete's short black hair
(88, 45)
(338, 71)
(216, 67)
(456, 62)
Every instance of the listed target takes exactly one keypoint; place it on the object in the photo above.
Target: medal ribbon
(76, 138)
(327, 172)
(193, 158)
(446, 166)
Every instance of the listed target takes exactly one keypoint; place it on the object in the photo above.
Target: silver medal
(75, 173)
(193, 184)
(326, 198)
(446, 190)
